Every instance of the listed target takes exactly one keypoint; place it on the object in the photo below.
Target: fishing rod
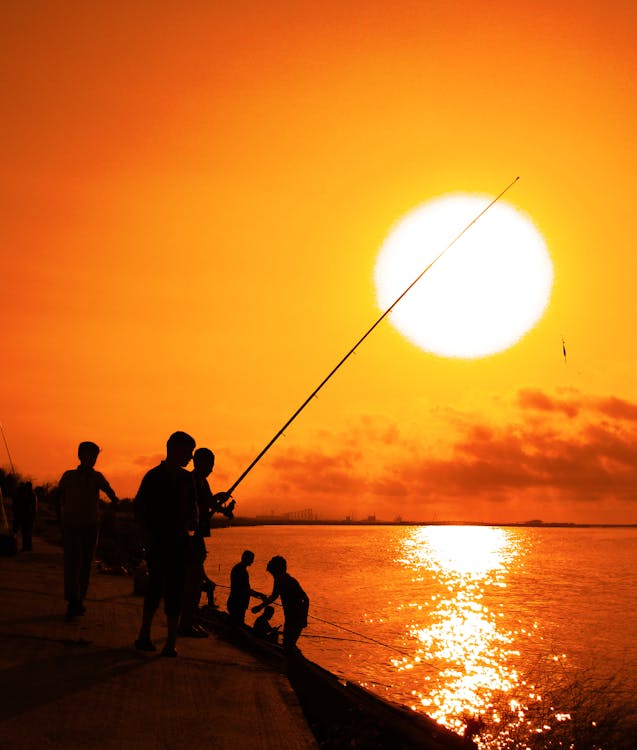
(364, 336)
(6, 445)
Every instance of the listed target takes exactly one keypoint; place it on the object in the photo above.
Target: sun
(483, 294)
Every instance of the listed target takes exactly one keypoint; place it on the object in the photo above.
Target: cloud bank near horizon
(553, 454)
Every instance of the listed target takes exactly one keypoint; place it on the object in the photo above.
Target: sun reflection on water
(471, 652)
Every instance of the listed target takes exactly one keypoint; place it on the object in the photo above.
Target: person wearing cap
(78, 497)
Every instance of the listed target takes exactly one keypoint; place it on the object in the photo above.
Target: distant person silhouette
(196, 578)
(263, 628)
(166, 510)
(240, 590)
(295, 601)
(25, 505)
(78, 496)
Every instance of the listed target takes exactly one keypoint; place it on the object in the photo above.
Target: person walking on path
(78, 496)
(166, 510)
(196, 578)
(295, 601)
(240, 590)
(25, 505)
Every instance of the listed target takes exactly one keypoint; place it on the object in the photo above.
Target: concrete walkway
(80, 684)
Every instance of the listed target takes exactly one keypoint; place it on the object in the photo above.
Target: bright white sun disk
(484, 293)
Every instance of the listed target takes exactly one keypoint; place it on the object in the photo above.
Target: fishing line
(364, 336)
(332, 638)
(361, 635)
(368, 638)
(342, 627)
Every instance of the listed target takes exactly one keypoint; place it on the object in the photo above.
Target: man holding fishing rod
(166, 510)
(196, 579)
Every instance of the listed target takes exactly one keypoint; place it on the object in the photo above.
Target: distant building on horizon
(306, 514)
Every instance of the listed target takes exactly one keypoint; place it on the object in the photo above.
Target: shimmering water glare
(457, 630)
(497, 625)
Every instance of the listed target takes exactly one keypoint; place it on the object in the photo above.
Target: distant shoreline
(274, 521)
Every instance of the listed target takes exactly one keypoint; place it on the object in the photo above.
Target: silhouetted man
(196, 578)
(295, 601)
(240, 590)
(166, 509)
(78, 496)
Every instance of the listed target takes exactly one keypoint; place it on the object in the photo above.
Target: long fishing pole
(6, 445)
(364, 336)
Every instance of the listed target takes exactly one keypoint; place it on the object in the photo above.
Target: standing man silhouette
(78, 497)
(196, 578)
(166, 509)
(240, 589)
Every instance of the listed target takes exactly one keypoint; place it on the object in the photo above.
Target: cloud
(534, 399)
(550, 448)
(574, 402)
(318, 473)
(388, 488)
(617, 408)
(591, 456)
(149, 461)
(593, 464)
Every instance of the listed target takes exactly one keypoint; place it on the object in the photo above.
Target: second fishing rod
(364, 336)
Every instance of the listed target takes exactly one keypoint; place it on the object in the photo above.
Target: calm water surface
(458, 621)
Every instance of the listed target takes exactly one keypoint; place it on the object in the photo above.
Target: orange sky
(193, 199)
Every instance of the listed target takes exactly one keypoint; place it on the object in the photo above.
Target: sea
(526, 634)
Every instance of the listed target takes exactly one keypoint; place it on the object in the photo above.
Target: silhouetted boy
(78, 496)
(295, 601)
(263, 628)
(240, 590)
(196, 578)
(166, 509)
(25, 505)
